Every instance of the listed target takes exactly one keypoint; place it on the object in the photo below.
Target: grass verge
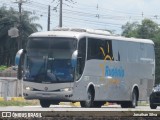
(19, 103)
(143, 103)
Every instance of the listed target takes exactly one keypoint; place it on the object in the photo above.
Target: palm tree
(28, 26)
(9, 46)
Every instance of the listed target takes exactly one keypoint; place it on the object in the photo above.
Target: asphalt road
(67, 112)
(71, 108)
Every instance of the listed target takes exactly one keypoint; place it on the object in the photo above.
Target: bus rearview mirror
(18, 62)
(74, 58)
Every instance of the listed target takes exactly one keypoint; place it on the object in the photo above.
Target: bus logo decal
(106, 57)
(46, 88)
(106, 70)
(114, 72)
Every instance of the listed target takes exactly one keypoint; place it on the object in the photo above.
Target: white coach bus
(87, 66)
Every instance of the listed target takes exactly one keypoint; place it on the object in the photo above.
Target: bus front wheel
(45, 103)
(90, 100)
(98, 104)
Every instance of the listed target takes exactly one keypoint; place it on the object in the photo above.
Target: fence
(10, 87)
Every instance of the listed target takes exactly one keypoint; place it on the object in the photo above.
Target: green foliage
(130, 29)
(148, 29)
(9, 46)
(2, 67)
(17, 103)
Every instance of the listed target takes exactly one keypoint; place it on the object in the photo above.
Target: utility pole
(60, 14)
(142, 15)
(49, 14)
(20, 36)
(60, 9)
(20, 22)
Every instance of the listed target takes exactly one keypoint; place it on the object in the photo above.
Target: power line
(89, 15)
(86, 15)
(40, 5)
(102, 16)
(109, 10)
(92, 21)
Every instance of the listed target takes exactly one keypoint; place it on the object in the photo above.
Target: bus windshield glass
(48, 60)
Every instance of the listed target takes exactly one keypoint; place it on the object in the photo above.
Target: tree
(130, 29)
(146, 30)
(28, 26)
(9, 46)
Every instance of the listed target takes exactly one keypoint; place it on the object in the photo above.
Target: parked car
(155, 97)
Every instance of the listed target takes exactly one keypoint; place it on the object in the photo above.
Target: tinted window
(133, 50)
(63, 43)
(123, 51)
(100, 49)
(38, 43)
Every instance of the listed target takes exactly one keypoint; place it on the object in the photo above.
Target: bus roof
(80, 33)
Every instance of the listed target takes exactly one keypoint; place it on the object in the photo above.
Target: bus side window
(94, 49)
(81, 57)
(100, 49)
(115, 50)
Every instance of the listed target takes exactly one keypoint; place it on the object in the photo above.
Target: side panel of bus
(114, 67)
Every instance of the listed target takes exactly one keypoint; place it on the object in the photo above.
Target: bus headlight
(28, 88)
(65, 89)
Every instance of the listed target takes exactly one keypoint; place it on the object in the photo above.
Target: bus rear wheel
(132, 103)
(90, 100)
(134, 99)
(98, 104)
(45, 103)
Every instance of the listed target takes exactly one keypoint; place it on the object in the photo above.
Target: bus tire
(90, 100)
(98, 104)
(125, 104)
(45, 103)
(55, 102)
(132, 103)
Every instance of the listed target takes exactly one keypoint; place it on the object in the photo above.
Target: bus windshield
(48, 60)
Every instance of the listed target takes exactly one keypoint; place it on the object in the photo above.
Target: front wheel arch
(89, 102)
(91, 87)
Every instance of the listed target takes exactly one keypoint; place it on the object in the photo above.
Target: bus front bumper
(61, 96)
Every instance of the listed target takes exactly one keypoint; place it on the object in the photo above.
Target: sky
(94, 14)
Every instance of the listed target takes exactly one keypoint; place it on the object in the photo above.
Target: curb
(74, 104)
(12, 99)
(1, 99)
(77, 104)
(17, 99)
